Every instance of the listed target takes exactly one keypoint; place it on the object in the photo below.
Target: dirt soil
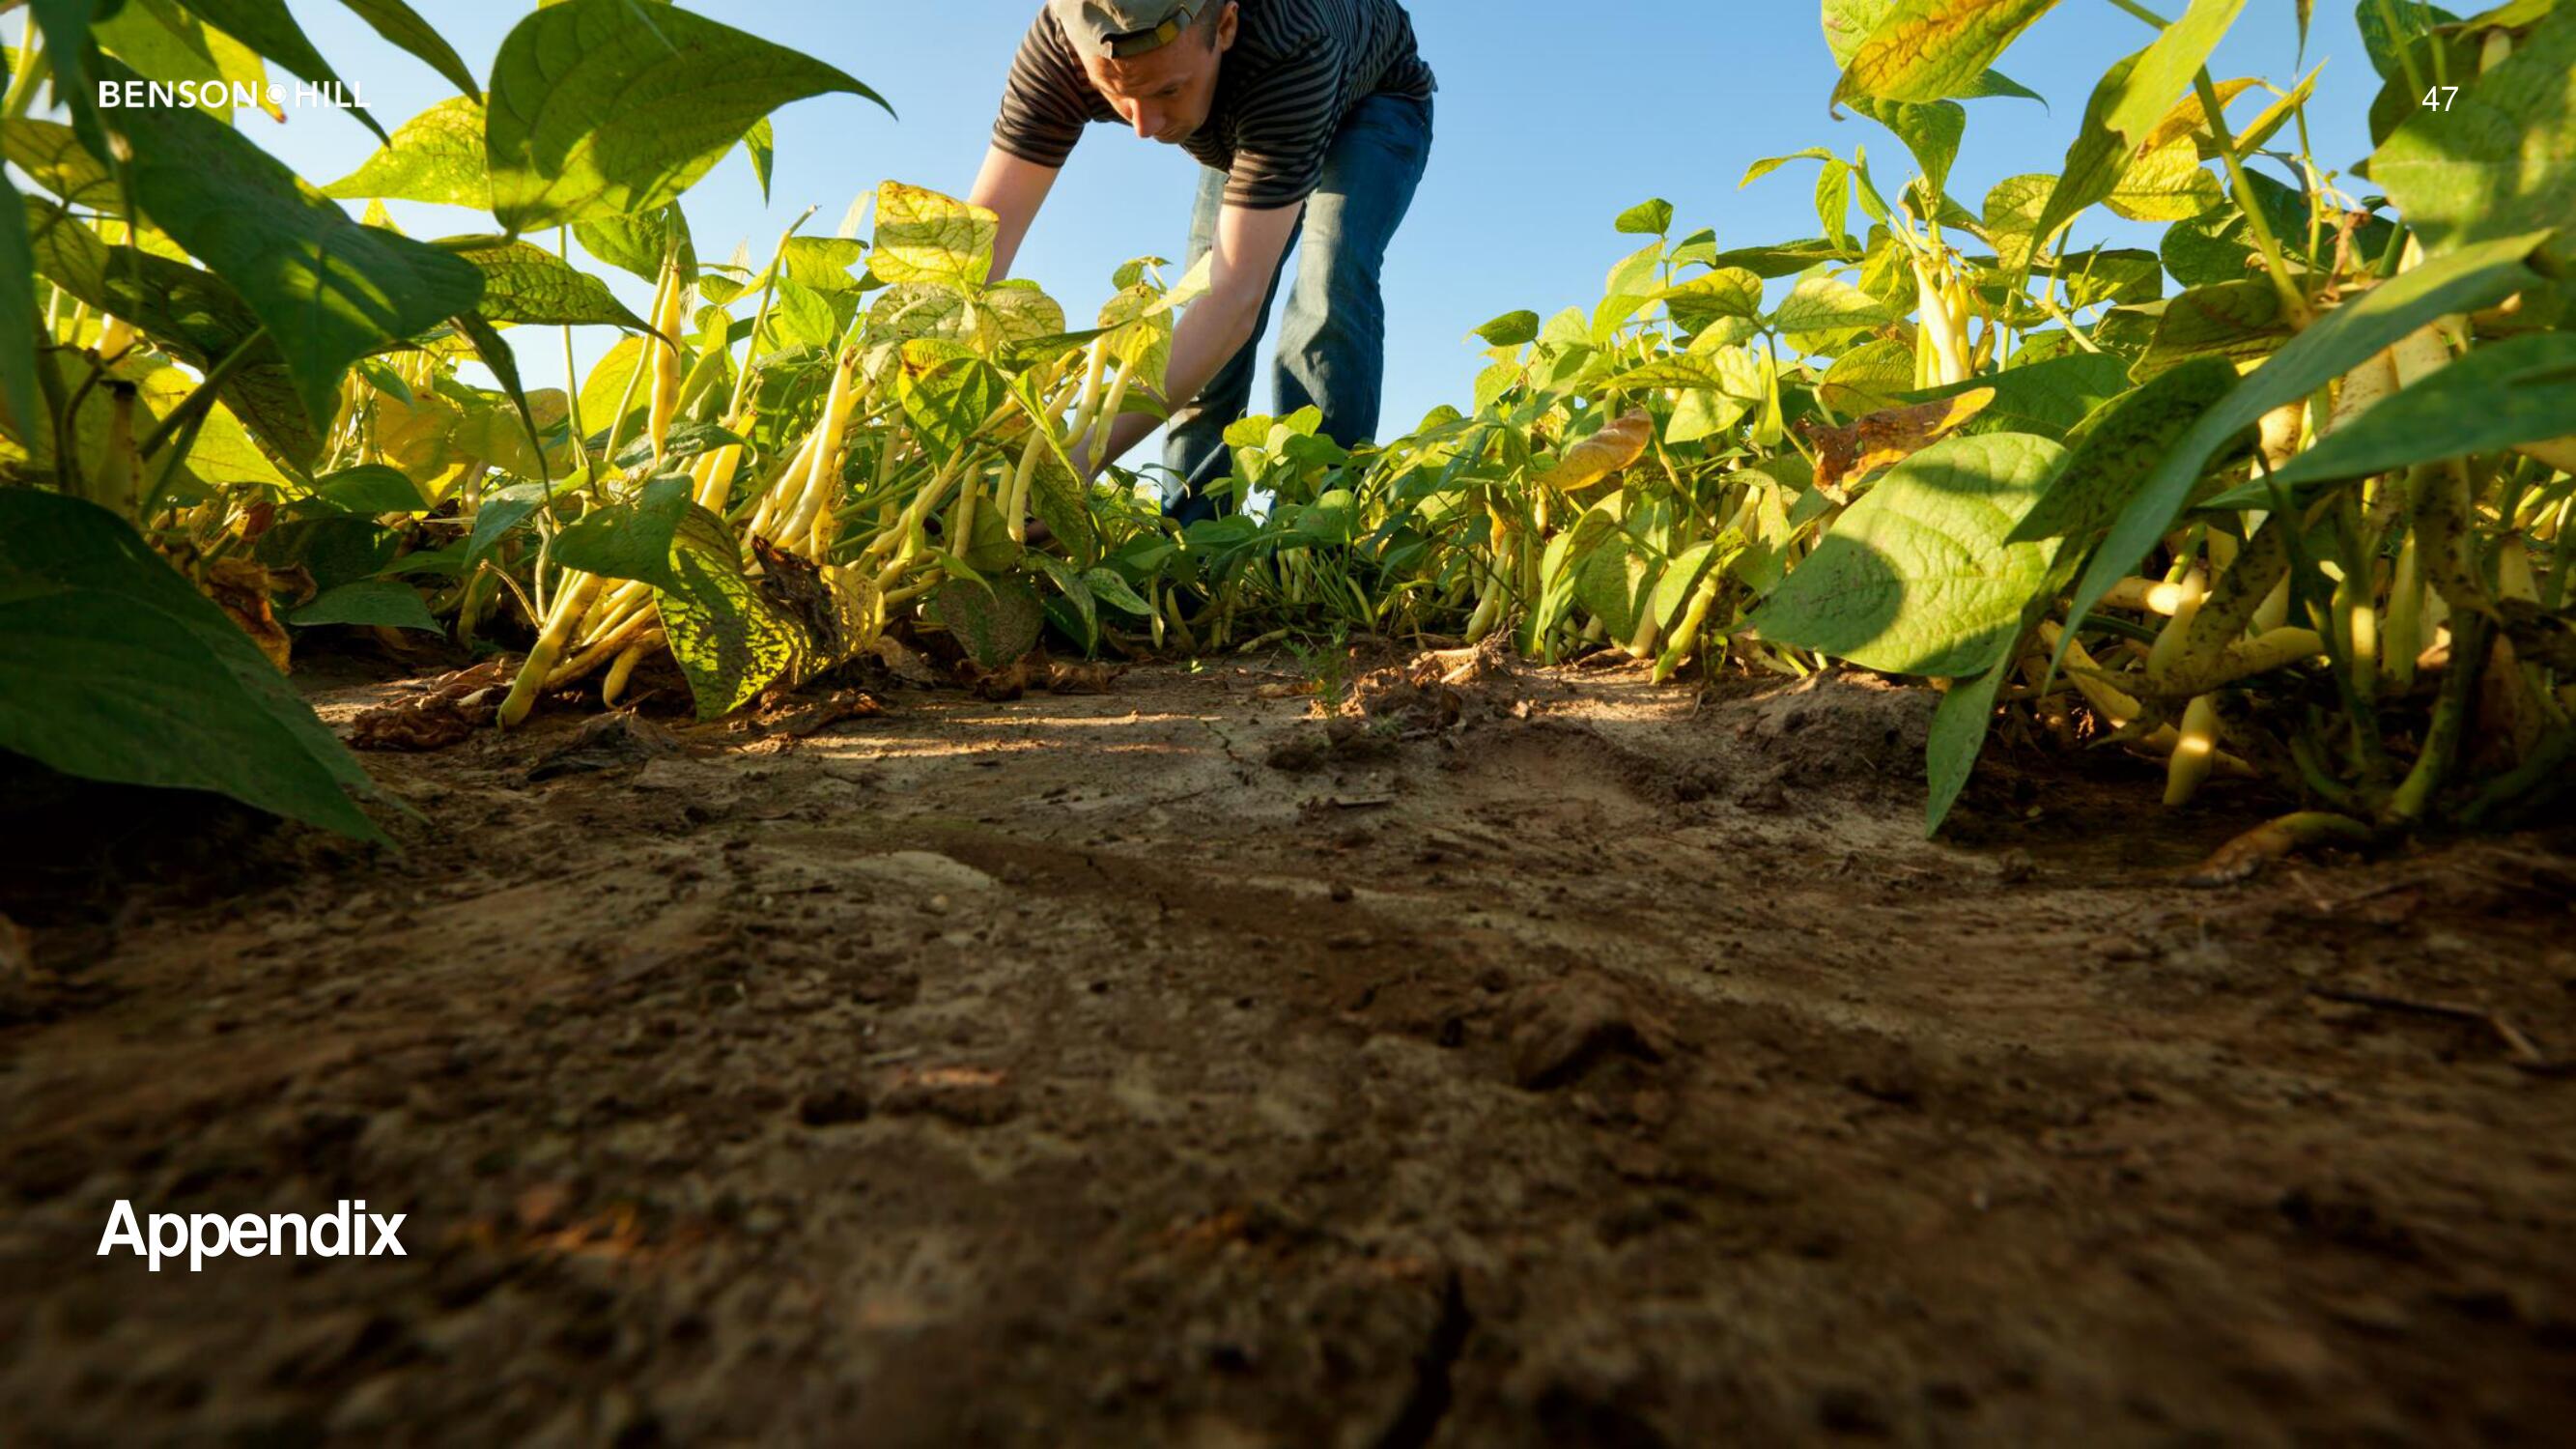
(1522, 1058)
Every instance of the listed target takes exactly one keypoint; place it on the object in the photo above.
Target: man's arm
(1013, 190)
(1213, 329)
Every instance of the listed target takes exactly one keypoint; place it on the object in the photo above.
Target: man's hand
(1214, 328)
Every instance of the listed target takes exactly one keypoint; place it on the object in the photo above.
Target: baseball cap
(1123, 29)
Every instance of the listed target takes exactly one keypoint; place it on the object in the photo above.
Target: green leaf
(18, 321)
(2415, 20)
(371, 488)
(2123, 275)
(1684, 372)
(95, 686)
(2164, 70)
(1995, 83)
(2213, 247)
(1062, 502)
(597, 109)
(52, 154)
(2012, 214)
(2501, 160)
(436, 157)
(687, 441)
(1785, 260)
(799, 316)
(1916, 577)
(1135, 271)
(1072, 609)
(946, 401)
(607, 385)
(1823, 306)
(760, 143)
(166, 44)
(1725, 292)
(1647, 218)
(193, 315)
(2466, 280)
(2520, 390)
(2120, 445)
(2095, 160)
(730, 641)
(631, 540)
(2125, 108)
(1930, 130)
(923, 236)
(335, 548)
(1959, 729)
(329, 290)
(1701, 414)
(62, 547)
(1512, 329)
(1870, 378)
(523, 282)
(1111, 588)
(824, 262)
(402, 25)
(1616, 584)
(635, 244)
(1769, 164)
(2239, 320)
(65, 26)
(995, 622)
(383, 603)
(503, 511)
(1560, 566)
(266, 27)
(1929, 50)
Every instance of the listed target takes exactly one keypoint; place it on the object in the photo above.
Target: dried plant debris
(446, 713)
(610, 742)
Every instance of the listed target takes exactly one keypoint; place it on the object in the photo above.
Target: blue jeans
(1332, 344)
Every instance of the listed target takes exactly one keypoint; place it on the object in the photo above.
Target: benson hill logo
(347, 1231)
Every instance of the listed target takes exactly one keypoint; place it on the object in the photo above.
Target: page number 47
(2439, 98)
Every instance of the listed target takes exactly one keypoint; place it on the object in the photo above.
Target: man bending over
(1306, 116)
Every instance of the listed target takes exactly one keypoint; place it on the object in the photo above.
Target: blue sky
(1551, 120)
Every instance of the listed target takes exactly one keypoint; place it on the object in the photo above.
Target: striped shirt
(1297, 69)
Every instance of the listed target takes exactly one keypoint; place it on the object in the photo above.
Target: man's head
(1156, 61)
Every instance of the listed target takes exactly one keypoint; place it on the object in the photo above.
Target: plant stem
(2142, 13)
(33, 66)
(2523, 792)
(2470, 636)
(572, 379)
(2405, 52)
(760, 317)
(2294, 303)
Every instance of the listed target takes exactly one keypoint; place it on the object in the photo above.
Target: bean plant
(2284, 495)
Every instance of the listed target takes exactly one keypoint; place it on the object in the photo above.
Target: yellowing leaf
(436, 156)
(923, 236)
(1929, 50)
(2188, 118)
(1868, 444)
(2166, 185)
(1617, 445)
